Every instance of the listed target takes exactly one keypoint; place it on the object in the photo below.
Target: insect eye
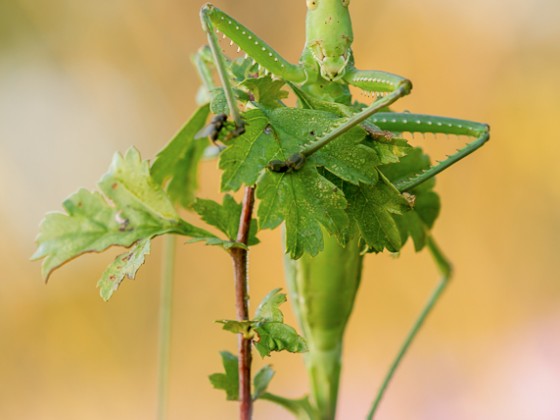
(312, 4)
(345, 3)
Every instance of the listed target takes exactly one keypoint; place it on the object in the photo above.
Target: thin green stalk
(445, 269)
(164, 340)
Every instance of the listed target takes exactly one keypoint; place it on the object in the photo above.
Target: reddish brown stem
(239, 256)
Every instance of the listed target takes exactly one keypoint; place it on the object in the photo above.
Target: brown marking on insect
(378, 134)
(410, 198)
(115, 185)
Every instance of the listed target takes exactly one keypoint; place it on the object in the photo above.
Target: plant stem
(445, 269)
(164, 340)
(239, 256)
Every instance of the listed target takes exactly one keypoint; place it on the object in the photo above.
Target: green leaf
(267, 329)
(269, 308)
(238, 327)
(177, 163)
(243, 68)
(372, 208)
(426, 204)
(344, 157)
(228, 381)
(279, 133)
(266, 91)
(130, 186)
(262, 380)
(305, 200)
(247, 155)
(275, 336)
(125, 265)
(225, 217)
(141, 210)
(271, 332)
(389, 151)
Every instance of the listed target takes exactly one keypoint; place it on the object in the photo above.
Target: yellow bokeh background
(82, 79)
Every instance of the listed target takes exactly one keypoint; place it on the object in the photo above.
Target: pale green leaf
(125, 265)
(269, 308)
(140, 210)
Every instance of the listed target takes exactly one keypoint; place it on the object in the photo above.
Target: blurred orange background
(80, 80)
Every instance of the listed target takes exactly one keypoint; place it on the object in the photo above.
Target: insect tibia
(407, 184)
(251, 44)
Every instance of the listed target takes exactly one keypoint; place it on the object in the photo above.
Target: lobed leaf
(372, 208)
(228, 381)
(125, 265)
(266, 92)
(304, 200)
(141, 210)
(225, 217)
(344, 157)
(417, 222)
(247, 155)
(269, 308)
(275, 336)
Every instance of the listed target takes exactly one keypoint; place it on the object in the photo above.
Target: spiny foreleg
(214, 20)
(418, 123)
